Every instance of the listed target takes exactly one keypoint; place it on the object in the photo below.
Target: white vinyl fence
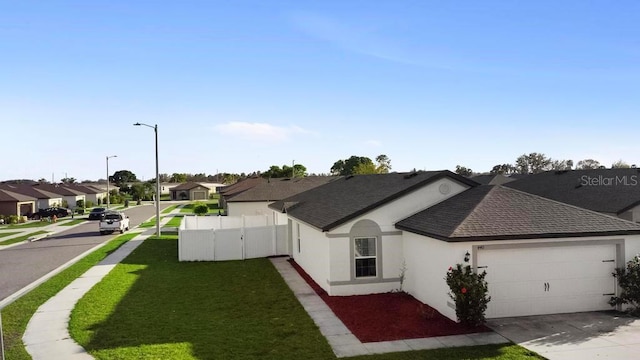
(210, 238)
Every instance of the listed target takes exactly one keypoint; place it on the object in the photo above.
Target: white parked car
(114, 221)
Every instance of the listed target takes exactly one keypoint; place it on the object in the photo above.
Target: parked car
(97, 213)
(49, 212)
(113, 221)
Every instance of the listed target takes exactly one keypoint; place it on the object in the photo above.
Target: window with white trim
(365, 256)
(298, 234)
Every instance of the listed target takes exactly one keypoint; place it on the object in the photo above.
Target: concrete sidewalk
(345, 344)
(47, 336)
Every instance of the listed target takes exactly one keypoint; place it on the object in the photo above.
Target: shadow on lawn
(236, 309)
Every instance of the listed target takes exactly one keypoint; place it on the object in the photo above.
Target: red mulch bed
(388, 316)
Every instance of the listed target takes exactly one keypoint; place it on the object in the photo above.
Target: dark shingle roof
(345, 198)
(10, 196)
(30, 190)
(58, 189)
(600, 190)
(491, 212)
(241, 186)
(280, 188)
(187, 186)
(491, 179)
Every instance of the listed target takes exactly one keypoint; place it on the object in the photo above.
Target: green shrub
(629, 282)
(469, 291)
(80, 203)
(200, 208)
(65, 204)
(13, 219)
(88, 204)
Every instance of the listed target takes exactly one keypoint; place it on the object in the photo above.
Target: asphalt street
(23, 264)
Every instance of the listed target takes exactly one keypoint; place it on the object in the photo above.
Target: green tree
(533, 163)
(200, 208)
(620, 165)
(464, 171)
(121, 177)
(384, 164)
(629, 282)
(504, 169)
(365, 168)
(561, 165)
(361, 165)
(68, 180)
(178, 178)
(588, 164)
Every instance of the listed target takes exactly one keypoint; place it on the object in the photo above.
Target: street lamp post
(108, 195)
(155, 129)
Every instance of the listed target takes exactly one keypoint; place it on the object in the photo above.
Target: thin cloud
(262, 132)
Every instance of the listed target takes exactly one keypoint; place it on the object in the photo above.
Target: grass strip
(22, 238)
(16, 316)
(73, 222)
(169, 209)
(174, 222)
(8, 234)
(30, 224)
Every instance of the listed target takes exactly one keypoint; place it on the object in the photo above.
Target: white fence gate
(230, 238)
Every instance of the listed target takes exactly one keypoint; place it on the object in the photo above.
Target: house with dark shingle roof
(376, 233)
(44, 199)
(609, 191)
(228, 192)
(190, 191)
(71, 196)
(256, 200)
(12, 203)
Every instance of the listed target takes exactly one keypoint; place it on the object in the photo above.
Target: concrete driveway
(590, 335)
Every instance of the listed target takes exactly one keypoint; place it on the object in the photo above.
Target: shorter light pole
(155, 129)
(108, 195)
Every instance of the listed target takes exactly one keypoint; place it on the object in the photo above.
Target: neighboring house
(190, 191)
(228, 192)
(12, 203)
(165, 187)
(256, 200)
(610, 191)
(70, 195)
(93, 194)
(44, 199)
(355, 235)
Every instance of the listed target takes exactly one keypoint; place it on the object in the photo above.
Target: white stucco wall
(313, 256)
(428, 259)
(249, 208)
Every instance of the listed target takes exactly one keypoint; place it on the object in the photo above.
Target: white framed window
(365, 257)
(298, 235)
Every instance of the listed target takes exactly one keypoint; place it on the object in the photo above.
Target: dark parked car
(97, 213)
(49, 212)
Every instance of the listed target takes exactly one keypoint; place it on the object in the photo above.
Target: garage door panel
(546, 280)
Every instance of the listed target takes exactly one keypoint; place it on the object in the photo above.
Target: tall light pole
(155, 129)
(108, 195)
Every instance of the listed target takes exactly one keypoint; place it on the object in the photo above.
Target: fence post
(213, 240)
(1, 339)
(244, 255)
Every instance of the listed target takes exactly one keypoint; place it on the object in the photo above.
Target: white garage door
(548, 280)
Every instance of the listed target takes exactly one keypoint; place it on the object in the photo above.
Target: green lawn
(153, 307)
(211, 204)
(73, 222)
(30, 224)
(8, 234)
(16, 316)
(22, 238)
(174, 222)
(169, 209)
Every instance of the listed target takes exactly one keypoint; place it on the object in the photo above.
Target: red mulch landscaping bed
(388, 316)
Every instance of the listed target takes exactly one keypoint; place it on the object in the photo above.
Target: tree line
(534, 163)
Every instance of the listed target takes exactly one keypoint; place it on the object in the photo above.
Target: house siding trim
(363, 281)
(383, 233)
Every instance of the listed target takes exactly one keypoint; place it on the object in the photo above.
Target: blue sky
(238, 86)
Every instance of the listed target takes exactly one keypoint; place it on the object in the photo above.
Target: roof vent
(410, 175)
